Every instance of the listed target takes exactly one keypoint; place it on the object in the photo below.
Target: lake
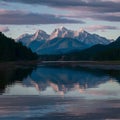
(65, 93)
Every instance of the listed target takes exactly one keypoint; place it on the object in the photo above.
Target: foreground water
(49, 93)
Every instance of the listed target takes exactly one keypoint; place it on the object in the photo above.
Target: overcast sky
(26, 16)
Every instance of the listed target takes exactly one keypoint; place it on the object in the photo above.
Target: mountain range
(60, 41)
(97, 52)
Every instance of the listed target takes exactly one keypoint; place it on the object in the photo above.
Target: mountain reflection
(65, 82)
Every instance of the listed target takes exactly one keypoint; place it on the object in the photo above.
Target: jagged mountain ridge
(58, 41)
(39, 35)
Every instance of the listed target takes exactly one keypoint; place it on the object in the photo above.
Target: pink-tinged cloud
(112, 0)
(100, 28)
(98, 10)
(94, 9)
(22, 17)
(4, 29)
(95, 16)
(93, 5)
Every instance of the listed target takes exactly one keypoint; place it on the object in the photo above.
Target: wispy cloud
(4, 29)
(100, 28)
(21, 17)
(95, 16)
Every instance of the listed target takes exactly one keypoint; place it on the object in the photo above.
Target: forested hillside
(12, 51)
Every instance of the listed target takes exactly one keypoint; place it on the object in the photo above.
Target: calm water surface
(49, 93)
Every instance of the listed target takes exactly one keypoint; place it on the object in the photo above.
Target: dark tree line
(12, 51)
(98, 52)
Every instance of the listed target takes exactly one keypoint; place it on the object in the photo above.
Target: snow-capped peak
(22, 36)
(61, 32)
(39, 32)
(81, 30)
(62, 28)
(40, 35)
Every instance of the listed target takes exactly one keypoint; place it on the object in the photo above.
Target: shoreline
(17, 64)
(87, 64)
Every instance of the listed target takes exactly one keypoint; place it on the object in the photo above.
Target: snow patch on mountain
(40, 35)
(61, 32)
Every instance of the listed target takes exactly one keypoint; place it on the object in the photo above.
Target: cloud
(104, 17)
(94, 9)
(100, 28)
(4, 29)
(92, 5)
(21, 17)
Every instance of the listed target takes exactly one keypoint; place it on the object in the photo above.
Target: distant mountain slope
(98, 52)
(10, 50)
(61, 46)
(61, 37)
